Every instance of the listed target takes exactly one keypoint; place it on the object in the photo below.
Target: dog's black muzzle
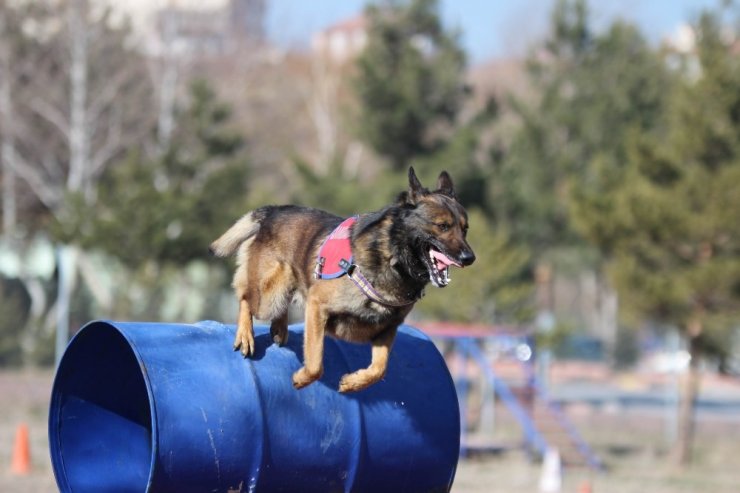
(466, 258)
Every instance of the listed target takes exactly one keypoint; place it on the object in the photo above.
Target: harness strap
(335, 249)
(332, 263)
(353, 272)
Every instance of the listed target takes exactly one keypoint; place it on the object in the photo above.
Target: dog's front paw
(303, 377)
(353, 382)
(244, 341)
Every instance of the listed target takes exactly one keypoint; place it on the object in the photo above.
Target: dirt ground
(634, 466)
(24, 398)
(631, 445)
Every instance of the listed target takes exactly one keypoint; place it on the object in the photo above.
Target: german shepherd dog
(396, 252)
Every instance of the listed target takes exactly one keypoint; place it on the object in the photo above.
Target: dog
(394, 253)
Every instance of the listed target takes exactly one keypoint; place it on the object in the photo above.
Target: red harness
(335, 260)
(335, 254)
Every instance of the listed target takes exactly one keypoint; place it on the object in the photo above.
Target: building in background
(342, 41)
(202, 29)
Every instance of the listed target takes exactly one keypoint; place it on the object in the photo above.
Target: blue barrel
(170, 408)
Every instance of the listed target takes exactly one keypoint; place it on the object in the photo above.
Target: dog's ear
(445, 186)
(416, 190)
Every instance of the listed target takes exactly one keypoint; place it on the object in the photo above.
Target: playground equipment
(544, 424)
(168, 407)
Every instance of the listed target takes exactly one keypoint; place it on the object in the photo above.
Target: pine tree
(667, 219)
(166, 210)
(410, 80)
(530, 180)
(592, 92)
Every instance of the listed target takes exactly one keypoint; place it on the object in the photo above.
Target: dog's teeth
(437, 279)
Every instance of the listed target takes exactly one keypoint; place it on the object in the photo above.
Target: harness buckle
(319, 267)
(346, 266)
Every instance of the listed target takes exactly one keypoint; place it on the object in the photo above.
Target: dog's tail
(241, 231)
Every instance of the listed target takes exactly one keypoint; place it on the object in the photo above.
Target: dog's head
(437, 225)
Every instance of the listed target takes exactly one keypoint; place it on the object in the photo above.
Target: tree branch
(51, 114)
(48, 194)
(111, 146)
(100, 101)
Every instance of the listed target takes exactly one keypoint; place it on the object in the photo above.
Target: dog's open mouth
(439, 267)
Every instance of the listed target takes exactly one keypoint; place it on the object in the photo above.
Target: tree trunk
(66, 283)
(167, 83)
(322, 112)
(79, 149)
(7, 146)
(683, 448)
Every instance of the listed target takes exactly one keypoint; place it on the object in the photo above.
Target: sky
(490, 28)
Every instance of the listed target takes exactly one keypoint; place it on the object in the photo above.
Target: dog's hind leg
(245, 331)
(279, 329)
(361, 379)
(277, 285)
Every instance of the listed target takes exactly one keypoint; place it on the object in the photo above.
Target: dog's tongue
(442, 260)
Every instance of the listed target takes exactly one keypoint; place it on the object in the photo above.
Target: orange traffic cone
(21, 462)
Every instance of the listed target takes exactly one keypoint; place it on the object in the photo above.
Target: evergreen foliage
(667, 219)
(410, 80)
(168, 208)
(594, 91)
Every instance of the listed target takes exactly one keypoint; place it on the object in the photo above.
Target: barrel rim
(413, 330)
(57, 459)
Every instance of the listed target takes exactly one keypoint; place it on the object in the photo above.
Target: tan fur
(227, 244)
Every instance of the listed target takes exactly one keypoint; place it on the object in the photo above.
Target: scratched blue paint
(169, 407)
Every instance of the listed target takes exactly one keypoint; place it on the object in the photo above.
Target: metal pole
(63, 298)
(672, 388)
(545, 324)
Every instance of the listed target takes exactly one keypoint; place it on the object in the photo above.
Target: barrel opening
(100, 419)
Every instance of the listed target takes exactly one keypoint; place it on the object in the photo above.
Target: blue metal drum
(170, 408)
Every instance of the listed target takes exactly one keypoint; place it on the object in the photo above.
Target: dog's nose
(467, 258)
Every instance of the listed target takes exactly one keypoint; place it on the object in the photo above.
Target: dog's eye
(444, 227)
(465, 230)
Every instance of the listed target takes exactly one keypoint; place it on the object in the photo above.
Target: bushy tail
(241, 231)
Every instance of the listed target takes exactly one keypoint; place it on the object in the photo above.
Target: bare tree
(14, 68)
(7, 151)
(326, 99)
(323, 111)
(86, 105)
(166, 73)
(90, 101)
